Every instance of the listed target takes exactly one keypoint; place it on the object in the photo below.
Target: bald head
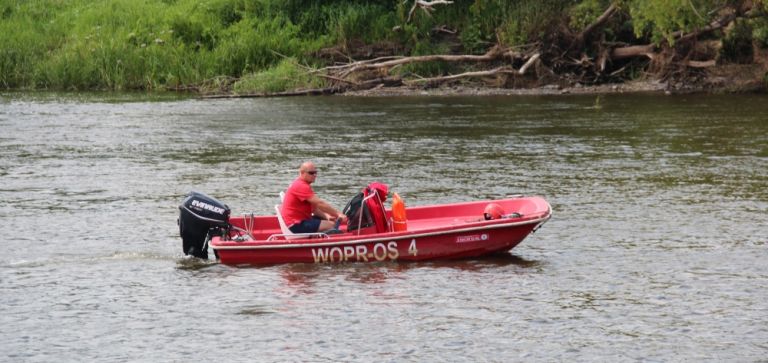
(307, 166)
(308, 172)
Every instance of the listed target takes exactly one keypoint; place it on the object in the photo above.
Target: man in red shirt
(302, 210)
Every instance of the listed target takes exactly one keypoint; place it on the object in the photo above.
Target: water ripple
(655, 252)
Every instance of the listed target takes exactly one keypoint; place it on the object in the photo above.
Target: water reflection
(304, 277)
(494, 261)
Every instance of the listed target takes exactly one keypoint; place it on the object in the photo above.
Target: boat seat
(288, 234)
(286, 231)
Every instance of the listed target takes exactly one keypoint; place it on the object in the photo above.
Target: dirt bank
(728, 78)
(732, 78)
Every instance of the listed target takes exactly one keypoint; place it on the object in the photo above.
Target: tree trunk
(633, 51)
(602, 19)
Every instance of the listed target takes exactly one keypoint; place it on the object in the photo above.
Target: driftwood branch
(476, 74)
(531, 61)
(425, 5)
(362, 62)
(633, 51)
(602, 60)
(488, 73)
(601, 20)
(701, 64)
(494, 54)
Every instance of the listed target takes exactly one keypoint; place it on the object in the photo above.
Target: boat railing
(249, 220)
(362, 205)
(276, 236)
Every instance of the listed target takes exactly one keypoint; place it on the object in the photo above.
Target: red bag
(376, 205)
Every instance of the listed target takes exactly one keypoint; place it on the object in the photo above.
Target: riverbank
(723, 79)
(551, 89)
(629, 87)
(236, 47)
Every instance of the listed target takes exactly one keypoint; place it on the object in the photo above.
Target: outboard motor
(200, 218)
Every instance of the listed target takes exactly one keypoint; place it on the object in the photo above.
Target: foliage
(160, 44)
(586, 12)
(737, 43)
(145, 44)
(511, 22)
(286, 75)
(760, 31)
(661, 18)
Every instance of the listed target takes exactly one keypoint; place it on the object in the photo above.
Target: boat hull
(439, 232)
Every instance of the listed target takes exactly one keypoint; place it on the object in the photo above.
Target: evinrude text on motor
(200, 218)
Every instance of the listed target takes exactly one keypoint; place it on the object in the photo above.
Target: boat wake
(190, 263)
(75, 259)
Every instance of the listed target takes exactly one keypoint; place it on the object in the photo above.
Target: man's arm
(319, 205)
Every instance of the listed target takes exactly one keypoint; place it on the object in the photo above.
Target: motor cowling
(200, 218)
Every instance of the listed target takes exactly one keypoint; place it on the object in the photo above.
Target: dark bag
(353, 211)
(372, 210)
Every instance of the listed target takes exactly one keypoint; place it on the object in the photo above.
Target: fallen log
(700, 64)
(453, 77)
(487, 73)
(633, 51)
(494, 54)
(529, 63)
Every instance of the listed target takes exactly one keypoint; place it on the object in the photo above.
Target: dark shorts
(306, 226)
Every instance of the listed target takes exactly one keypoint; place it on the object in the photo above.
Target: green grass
(159, 44)
(146, 44)
(286, 75)
(167, 44)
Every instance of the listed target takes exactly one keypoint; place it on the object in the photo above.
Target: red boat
(447, 231)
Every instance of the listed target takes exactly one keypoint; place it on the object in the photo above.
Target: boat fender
(399, 220)
(493, 211)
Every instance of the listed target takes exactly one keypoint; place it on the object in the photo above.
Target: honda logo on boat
(206, 206)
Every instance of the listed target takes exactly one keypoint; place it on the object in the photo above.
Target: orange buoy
(399, 220)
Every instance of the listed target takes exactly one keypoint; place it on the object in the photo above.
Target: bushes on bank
(159, 44)
(286, 75)
(149, 44)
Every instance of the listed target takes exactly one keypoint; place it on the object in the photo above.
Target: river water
(656, 250)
